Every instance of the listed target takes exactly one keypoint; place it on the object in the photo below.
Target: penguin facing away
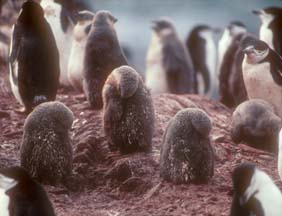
(254, 193)
(202, 48)
(46, 150)
(169, 67)
(102, 55)
(61, 22)
(255, 122)
(186, 153)
(128, 111)
(21, 195)
(80, 34)
(262, 73)
(271, 27)
(34, 58)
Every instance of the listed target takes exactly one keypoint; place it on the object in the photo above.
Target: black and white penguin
(201, 45)
(46, 150)
(262, 73)
(102, 55)
(227, 47)
(254, 193)
(21, 195)
(271, 27)
(255, 123)
(34, 58)
(169, 67)
(80, 35)
(62, 24)
(186, 153)
(128, 111)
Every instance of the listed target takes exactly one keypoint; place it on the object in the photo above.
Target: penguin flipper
(276, 67)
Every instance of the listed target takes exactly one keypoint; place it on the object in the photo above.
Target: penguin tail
(39, 99)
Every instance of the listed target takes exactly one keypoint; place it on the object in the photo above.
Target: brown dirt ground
(106, 183)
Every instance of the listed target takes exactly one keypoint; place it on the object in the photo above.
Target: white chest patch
(75, 66)
(5, 185)
(264, 190)
(155, 73)
(210, 58)
(260, 84)
(265, 34)
(63, 39)
(223, 45)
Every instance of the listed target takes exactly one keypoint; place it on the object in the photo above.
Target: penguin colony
(84, 51)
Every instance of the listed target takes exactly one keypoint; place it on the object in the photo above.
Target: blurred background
(134, 18)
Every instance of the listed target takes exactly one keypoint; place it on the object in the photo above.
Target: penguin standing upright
(201, 46)
(61, 22)
(227, 47)
(20, 195)
(102, 55)
(271, 27)
(254, 193)
(34, 58)
(80, 34)
(169, 68)
(262, 73)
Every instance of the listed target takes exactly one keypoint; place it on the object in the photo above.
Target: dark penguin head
(162, 25)
(127, 80)
(31, 14)
(10, 177)
(85, 15)
(104, 18)
(255, 50)
(268, 14)
(236, 27)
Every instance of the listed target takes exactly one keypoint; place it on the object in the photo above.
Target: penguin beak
(257, 12)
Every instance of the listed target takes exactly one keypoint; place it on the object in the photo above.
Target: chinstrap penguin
(271, 27)
(34, 58)
(262, 73)
(254, 193)
(21, 195)
(128, 111)
(62, 24)
(255, 122)
(186, 152)
(46, 151)
(201, 45)
(169, 67)
(102, 55)
(80, 34)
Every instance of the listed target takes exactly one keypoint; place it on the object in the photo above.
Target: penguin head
(104, 17)
(236, 27)
(84, 15)
(127, 80)
(30, 12)
(83, 25)
(10, 177)
(255, 50)
(163, 24)
(268, 14)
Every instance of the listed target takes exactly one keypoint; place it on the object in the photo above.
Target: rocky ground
(109, 184)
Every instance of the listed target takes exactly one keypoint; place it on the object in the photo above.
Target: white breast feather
(265, 34)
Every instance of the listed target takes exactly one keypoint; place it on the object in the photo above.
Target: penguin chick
(46, 151)
(61, 22)
(201, 45)
(262, 73)
(186, 153)
(80, 34)
(20, 195)
(271, 27)
(102, 55)
(254, 193)
(34, 58)
(169, 65)
(255, 122)
(128, 111)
